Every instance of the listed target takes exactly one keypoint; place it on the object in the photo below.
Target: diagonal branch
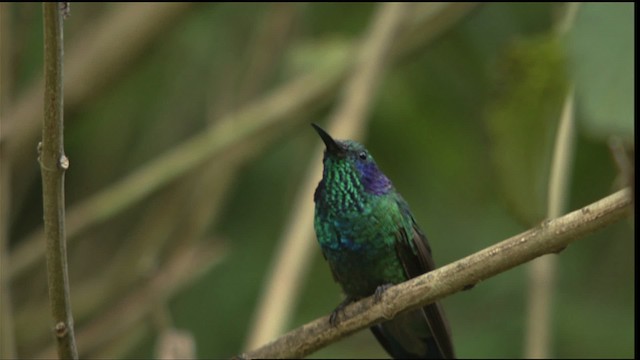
(297, 95)
(95, 58)
(308, 91)
(551, 236)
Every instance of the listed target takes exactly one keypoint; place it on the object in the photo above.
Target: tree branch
(551, 236)
(53, 164)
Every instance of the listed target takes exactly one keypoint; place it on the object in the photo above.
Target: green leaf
(601, 54)
(521, 120)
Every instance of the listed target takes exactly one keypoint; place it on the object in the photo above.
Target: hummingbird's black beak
(332, 145)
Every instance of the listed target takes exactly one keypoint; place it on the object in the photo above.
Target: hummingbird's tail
(416, 334)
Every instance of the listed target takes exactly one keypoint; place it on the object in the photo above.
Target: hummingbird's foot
(333, 318)
(468, 287)
(377, 295)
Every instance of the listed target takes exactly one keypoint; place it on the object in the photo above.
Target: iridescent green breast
(359, 242)
(358, 220)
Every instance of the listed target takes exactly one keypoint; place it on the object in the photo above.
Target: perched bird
(371, 241)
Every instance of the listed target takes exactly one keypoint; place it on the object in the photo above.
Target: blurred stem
(266, 48)
(184, 267)
(125, 343)
(197, 200)
(542, 271)
(562, 162)
(242, 80)
(265, 113)
(172, 343)
(429, 21)
(94, 59)
(7, 331)
(623, 156)
(297, 95)
(289, 265)
(549, 237)
(566, 18)
(53, 164)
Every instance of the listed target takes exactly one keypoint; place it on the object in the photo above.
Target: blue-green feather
(370, 239)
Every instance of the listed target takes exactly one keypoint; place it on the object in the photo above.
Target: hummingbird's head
(348, 164)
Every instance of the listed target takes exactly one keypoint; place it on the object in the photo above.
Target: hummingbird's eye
(362, 155)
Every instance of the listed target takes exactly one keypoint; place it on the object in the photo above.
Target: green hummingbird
(371, 241)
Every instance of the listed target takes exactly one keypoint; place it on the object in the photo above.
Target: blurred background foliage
(463, 124)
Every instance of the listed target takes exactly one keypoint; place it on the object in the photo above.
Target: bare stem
(53, 164)
(542, 271)
(7, 331)
(549, 237)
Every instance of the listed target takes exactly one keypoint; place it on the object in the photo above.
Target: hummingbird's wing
(423, 332)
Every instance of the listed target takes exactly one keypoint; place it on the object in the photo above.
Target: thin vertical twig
(7, 331)
(542, 271)
(53, 164)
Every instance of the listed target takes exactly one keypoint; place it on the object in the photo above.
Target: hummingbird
(371, 241)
